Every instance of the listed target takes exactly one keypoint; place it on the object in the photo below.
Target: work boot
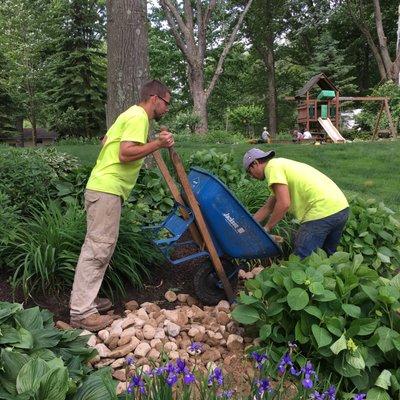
(93, 323)
(103, 304)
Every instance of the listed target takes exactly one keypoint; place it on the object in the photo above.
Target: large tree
(77, 69)
(370, 22)
(127, 54)
(190, 24)
(23, 38)
(264, 24)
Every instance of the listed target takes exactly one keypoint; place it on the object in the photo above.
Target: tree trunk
(196, 85)
(269, 61)
(193, 47)
(127, 54)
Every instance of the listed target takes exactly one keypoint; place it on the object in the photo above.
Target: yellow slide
(330, 129)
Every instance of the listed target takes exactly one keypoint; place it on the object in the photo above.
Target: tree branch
(228, 46)
(381, 37)
(173, 15)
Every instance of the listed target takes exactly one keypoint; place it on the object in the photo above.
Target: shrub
(44, 253)
(213, 136)
(150, 199)
(24, 177)
(38, 361)
(185, 122)
(71, 187)
(339, 310)
(219, 164)
(9, 220)
(373, 232)
(61, 163)
(245, 117)
(368, 116)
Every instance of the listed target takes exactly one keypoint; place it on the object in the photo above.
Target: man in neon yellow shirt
(314, 200)
(112, 179)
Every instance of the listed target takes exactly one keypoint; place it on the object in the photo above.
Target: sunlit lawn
(369, 169)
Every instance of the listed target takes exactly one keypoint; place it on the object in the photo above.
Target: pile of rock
(147, 332)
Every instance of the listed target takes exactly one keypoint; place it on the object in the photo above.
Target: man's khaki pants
(103, 215)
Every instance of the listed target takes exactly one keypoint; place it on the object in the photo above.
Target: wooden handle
(180, 171)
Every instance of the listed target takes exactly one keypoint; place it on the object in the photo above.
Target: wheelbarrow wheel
(206, 282)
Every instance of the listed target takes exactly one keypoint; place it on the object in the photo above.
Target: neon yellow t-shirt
(110, 175)
(313, 195)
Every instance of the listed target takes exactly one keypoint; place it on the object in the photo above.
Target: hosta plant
(338, 309)
(38, 361)
(219, 164)
(374, 232)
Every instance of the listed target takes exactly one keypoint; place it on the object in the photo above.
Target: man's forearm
(139, 151)
(277, 215)
(265, 210)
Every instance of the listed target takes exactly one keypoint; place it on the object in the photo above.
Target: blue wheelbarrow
(235, 234)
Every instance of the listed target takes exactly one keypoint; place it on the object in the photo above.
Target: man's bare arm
(281, 207)
(132, 151)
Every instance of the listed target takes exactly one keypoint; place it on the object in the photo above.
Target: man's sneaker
(93, 323)
(103, 304)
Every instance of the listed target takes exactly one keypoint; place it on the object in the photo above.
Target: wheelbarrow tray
(234, 231)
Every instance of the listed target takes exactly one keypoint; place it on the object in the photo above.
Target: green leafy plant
(9, 220)
(339, 310)
(374, 232)
(24, 177)
(219, 164)
(150, 199)
(38, 361)
(246, 116)
(45, 250)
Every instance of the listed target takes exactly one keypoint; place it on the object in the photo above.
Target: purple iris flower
(170, 368)
(158, 371)
(330, 393)
(307, 383)
(136, 381)
(263, 386)
(171, 379)
(226, 394)
(196, 347)
(286, 360)
(180, 366)
(317, 396)
(217, 376)
(359, 396)
(259, 358)
(129, 360)
(294, 371)
(188, 378)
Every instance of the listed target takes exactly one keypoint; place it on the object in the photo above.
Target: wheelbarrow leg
(180, 170)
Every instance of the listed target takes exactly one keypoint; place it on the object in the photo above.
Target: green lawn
(369, 169)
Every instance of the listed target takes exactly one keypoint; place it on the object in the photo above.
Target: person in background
(306, 193)
(112, 179)
(307, 135)
(265, 136)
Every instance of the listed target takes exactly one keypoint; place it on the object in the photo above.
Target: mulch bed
(164, 278)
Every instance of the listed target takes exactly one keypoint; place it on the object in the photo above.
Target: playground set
(318, 109)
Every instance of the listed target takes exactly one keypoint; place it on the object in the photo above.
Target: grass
(368, 169)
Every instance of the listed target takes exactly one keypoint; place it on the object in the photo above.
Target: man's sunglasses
(165, 101)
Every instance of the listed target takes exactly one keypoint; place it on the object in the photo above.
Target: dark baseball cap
(255, 154)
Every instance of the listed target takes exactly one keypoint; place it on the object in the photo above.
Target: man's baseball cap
(255, 154)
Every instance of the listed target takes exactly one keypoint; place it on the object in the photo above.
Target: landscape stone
(142, 349)
(125, 350)
(170, 296)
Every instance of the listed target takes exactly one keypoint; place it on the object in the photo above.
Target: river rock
(142, 349)
(170, 296)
